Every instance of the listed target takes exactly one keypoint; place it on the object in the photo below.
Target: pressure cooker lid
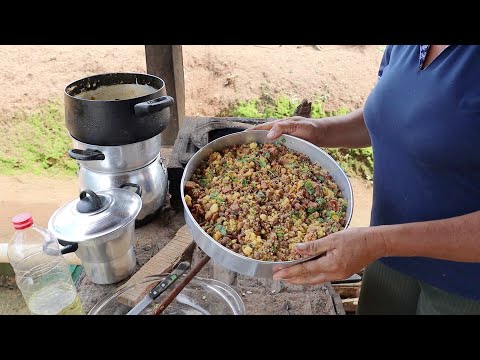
(95, 214)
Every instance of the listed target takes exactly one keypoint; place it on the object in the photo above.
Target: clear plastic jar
(41, 272)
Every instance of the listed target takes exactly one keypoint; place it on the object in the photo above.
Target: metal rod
(163, 305)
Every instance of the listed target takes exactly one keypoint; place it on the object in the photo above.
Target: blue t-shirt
(425, 132)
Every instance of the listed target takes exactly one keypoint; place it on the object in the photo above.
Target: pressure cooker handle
(138, 187)
(153, 106)
(89, 204)
(69, 247)
(86, 155)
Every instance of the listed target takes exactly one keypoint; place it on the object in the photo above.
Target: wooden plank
(350, 305)
(337, 303)
(166, 62)
(347, 290)
(162, 262)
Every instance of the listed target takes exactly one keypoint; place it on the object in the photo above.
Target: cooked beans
(261, 199)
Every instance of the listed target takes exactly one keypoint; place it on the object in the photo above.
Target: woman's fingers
(313, 279)
(315, 247)
(304, 269)
(278, 127)
(264, 126)
(282, 127)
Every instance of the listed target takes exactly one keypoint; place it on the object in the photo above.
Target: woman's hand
(347, 131)
(308, 129)
(344, 253)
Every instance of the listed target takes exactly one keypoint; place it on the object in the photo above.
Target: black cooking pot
(117, 108)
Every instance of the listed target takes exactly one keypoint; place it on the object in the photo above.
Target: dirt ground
(215, 76)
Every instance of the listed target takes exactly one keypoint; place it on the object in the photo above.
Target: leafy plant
(37, 143)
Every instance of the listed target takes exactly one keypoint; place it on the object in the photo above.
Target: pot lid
(95, 214)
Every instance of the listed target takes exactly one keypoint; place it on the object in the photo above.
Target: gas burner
(194, 134)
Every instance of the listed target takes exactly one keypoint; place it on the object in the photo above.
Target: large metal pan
(228, 258)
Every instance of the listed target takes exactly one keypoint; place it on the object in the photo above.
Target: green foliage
(354, 161)
(247, 109)
(278, 108)
(37, 143)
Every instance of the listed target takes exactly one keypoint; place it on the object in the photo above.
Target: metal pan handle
(69, 247)
(153, 106)
(86, 155)
(138, 187)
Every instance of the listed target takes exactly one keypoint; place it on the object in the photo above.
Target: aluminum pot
(152, 178)
(115, 159)
(116, 108)
(99, 228)
(228, 258)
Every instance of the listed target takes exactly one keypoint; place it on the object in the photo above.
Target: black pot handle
(138, 187)
(153, 106)
(69, 247)
(89, 204)
(86, 155)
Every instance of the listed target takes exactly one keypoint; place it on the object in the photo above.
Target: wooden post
(166, 62)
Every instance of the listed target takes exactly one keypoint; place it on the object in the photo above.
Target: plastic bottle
(41, 272)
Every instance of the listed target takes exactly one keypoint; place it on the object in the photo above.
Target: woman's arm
(349, 251)
(456, 239)
(347, 131)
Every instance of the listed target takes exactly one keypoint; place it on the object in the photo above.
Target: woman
(422, 251)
